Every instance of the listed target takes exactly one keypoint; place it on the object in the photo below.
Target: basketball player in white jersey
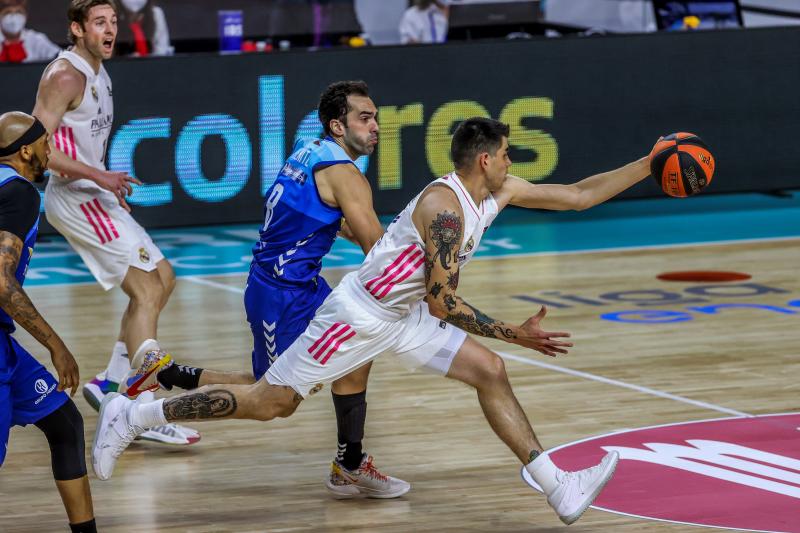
(86, 203)
(403, 302)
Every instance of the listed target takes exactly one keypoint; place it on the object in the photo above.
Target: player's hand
(67, 369)
(119, 183)
(346, 232)
(531, 336)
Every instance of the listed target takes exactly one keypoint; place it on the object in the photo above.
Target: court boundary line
(623, 384)
(209, 283)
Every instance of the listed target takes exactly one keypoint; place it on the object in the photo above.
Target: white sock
(543, 471)
(148, 414)
(118, 365)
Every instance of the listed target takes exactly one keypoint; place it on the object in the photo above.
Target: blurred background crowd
(35, 30)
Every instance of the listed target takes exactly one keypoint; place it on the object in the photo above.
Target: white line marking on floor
(209, 283)
(617, 383)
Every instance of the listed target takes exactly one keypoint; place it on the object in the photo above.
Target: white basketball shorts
(346, 334)
(104, 234)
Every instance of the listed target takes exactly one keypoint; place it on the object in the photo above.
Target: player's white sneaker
(577, 490)
(113, 434)
(366, 481)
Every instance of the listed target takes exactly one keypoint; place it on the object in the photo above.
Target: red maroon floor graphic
(741, 473)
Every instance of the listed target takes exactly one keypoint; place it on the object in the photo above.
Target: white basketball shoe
(113, 434)
(575, 491)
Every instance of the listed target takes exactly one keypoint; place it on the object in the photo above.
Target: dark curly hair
(333, 101)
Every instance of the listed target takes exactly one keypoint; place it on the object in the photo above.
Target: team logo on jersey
(94, 94)
(40, 386)
(144, 257)
(463, 255)
(470, 245)
(295, 173)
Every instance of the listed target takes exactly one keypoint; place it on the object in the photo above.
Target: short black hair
(333, 101)
(475, 136)
(79, 11)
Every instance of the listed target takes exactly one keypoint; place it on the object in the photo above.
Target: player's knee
(168, 283)
(494, 369)
(150, 295)
(286, 409)
(63, 429)
(284, 401)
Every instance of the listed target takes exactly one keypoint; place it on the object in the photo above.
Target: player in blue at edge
(318, 186)
(29, 394)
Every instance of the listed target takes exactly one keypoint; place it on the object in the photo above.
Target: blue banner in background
(208, 133)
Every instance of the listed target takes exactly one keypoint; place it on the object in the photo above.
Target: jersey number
(272, 201)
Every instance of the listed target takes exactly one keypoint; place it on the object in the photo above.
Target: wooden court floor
(251, 476)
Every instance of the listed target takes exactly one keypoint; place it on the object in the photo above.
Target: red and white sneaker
(147, 362)
(364, 482)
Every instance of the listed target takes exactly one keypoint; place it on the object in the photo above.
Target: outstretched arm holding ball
(681, 164)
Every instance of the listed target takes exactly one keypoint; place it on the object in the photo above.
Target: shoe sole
(185, 442)
(570, 519)
(103, 405)
(91, 399)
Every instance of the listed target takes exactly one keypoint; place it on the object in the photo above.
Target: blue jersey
(8, 174)
(299, 228)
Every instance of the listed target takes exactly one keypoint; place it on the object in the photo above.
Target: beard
(39, 169)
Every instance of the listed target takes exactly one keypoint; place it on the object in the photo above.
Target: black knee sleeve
(64, 431)
(351, 413)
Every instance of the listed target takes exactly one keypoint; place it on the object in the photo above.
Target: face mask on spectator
(13, 23)
(134, 6)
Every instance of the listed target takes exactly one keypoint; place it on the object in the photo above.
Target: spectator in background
(380, 20)
(142, 29)
(19, 43)
(425, 22)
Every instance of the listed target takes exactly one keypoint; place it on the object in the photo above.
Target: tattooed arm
(16, 303)
(440, 221)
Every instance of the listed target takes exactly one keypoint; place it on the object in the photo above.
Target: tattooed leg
(260, 401)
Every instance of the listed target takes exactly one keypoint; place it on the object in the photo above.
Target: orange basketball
(682, 164)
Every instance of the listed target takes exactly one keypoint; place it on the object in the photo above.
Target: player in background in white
(86, 203)
(402, 302)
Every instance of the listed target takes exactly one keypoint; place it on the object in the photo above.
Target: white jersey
(83, 132)
(393, 274)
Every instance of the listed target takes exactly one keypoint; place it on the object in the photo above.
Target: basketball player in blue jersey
(29, 394)
(318, 186)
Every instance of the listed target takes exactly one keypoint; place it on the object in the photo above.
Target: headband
(36, 130)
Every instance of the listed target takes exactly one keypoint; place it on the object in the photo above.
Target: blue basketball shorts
(278, 315)
(27, 390)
